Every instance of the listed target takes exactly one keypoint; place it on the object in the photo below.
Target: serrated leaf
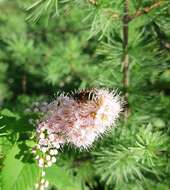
(59, 177)
(17, 175)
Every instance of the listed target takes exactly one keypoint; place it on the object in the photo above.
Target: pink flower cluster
(79, 119)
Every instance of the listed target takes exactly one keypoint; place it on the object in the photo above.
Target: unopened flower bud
(41, 162)
(56, 145)
(49, 164)
(48, 157)
(46, 183)
(53, 159)
(43, 173)
(53, 152)
(37, 157)
(42, 181)
(42, 136)
(44, 149)
(36, 185)
(33, 151)
(42, 187)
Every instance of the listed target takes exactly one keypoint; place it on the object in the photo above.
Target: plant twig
(125, 61)
(24, 83)
(164, 42)
(145, 10)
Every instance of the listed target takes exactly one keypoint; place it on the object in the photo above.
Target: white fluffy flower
(81, 118)
(78, 119)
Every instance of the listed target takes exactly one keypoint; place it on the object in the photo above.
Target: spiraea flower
(78, 119)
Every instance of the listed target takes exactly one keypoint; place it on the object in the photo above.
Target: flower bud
(48, 157)
(44, 149)
(43, 173)
(42, 181)
(37, 157)
(36, 185)
(41, 162)
(42, 136)
(42, 187)
(46, 183)
(53, 159)
(49, 164)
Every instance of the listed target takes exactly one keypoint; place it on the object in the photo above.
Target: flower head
(79, 118)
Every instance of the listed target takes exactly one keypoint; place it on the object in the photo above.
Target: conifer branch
(146, 10)
(125, 62)
(72, 30)
(164, 42)
(138, 12)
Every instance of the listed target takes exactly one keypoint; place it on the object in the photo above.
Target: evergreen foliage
(51, 45)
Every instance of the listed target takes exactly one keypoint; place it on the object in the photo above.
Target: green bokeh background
(78, 45)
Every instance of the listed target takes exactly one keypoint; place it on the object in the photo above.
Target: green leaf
(60, 178)
(8, 113)
(17, 175)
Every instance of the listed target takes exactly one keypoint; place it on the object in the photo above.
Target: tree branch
(125, 61)
(145, 10)
(164, 40)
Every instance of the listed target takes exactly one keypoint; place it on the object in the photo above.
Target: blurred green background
(49, 46)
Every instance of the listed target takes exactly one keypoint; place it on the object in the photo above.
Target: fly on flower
(84, 95)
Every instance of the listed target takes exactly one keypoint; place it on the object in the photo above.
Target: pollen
(104, 117)
(93, 115)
